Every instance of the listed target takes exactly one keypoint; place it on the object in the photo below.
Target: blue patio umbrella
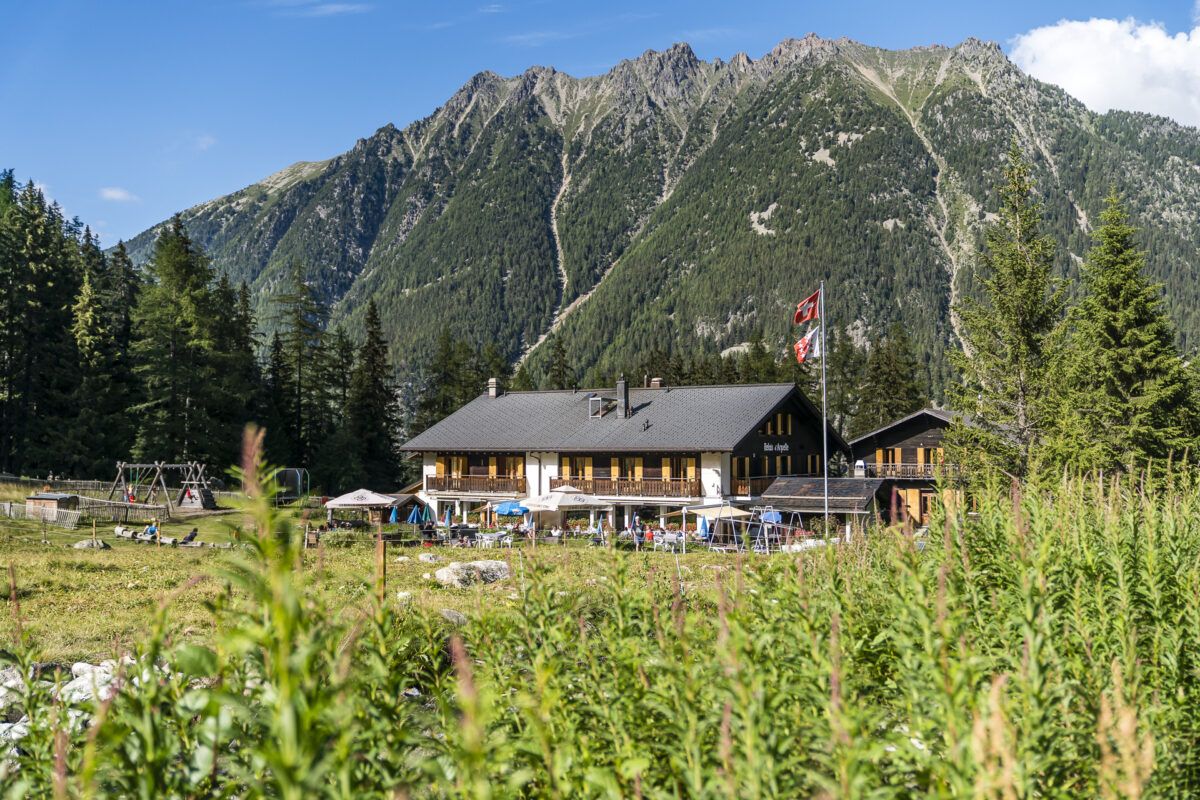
(772, 516)
(393, 519)
(414, 516)
(703, 529)
(511, 508)
(447, 517)
(427, 514)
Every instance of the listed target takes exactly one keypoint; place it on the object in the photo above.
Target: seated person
(151, 529)
(191, 537)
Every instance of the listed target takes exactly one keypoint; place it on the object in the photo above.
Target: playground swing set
(142, 483)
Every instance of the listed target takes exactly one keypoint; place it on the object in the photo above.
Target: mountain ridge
(602, 208)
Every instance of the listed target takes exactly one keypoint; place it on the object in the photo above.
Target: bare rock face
(460, 575)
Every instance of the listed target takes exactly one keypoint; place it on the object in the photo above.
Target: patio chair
(666, 541)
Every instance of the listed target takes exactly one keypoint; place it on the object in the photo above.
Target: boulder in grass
(453, 617)
(429, 558)
(460, 575)
(88, 544)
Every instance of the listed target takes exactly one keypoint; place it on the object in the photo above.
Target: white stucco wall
(538, 481)
(712, 475)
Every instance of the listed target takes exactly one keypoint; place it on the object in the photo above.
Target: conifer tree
(558, 374)
(1013, 337)
(300, 315)
(175, 351)
(371, 412)
(847, 363)
(1127, 396)
(892, 386)
(522, 381)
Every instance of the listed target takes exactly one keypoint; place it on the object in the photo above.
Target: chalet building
(909, 456)
(659, 446)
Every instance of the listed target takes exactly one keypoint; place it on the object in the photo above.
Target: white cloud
(1123, 64)
(491, 8)
(117, 194)
(204, 141)
(537, 38)
(333, 9)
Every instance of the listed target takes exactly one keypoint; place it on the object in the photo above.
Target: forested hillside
(682, 205)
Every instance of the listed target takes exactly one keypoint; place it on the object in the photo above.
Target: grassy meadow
(1046, 646)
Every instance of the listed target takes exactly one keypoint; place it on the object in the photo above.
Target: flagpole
(824, 412)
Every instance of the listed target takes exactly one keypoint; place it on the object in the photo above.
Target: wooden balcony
(475, 484)
(751, 487)
(926, 472)
(632, 487)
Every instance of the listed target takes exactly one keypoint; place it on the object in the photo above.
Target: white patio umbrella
(561, 500)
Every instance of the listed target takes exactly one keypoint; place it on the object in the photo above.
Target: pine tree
(448, 371)
(371, 413)
(96, 360)
(892, 386)
(1013, 337)
(1128, 397)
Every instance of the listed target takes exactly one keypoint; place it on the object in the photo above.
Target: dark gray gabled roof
(846, 495)
(683, 418)
(936, 413)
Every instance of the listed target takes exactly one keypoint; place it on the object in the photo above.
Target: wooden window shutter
(878, 456)
(564, 466)
(491, 466)
(691, 469)
(666, 468)
(920, 456)
(789, 418)
(637, 468)
(899, 456)
(440, 469)
(615, 466)
(587, 468)
(520, 466)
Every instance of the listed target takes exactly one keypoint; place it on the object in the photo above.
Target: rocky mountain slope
(682, 204)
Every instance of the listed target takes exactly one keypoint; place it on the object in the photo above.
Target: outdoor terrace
(632, 487)
(927, 472)
(475, 484)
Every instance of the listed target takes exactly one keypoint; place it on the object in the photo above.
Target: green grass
(1048, 646)
(81, 604)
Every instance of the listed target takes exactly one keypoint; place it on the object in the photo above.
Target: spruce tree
(1127, 395)
(1012, 337)
(892, 386)
(371, 413)
(522, 381)
(558, 374)
(300, 316)
(175, 339)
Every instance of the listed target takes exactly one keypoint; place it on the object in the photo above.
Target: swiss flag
(809, 346)
(808, 309)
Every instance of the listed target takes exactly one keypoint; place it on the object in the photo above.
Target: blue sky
(126, 112)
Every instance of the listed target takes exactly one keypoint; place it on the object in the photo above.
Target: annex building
(657, 446)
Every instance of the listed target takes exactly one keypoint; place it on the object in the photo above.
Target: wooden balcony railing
(927, 472)
(751, 487)
(631, 487)
(475, 484)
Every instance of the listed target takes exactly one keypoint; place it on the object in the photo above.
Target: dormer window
(599, 406)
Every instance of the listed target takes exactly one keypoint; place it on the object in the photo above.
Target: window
(814, 463)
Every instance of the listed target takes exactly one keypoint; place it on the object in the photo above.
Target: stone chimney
(493, 387)
(623, 410)
(656, 383)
